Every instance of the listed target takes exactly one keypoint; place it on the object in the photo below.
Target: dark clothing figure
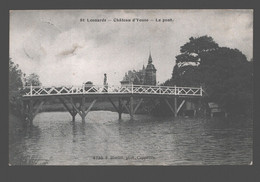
(105, 79)
(105, 83)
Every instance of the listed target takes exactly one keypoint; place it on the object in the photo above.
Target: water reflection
(24, 150)
(104, 140)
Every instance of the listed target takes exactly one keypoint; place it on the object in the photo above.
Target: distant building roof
(150, 65)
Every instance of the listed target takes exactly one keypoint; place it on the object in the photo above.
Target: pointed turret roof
(150, 65)
(150, 60)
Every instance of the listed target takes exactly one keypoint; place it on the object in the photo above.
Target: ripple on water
(56, 140)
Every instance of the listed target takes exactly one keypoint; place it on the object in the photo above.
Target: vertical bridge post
(176, 108)
(31, 109)
(132, 106)
(31, 90)
(72, 111)
(129, 106)
(81, 110)
(119, 109)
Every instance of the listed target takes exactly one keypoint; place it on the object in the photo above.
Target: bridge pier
(175, 107)
(72, 111)
(118, 109)
(81, 110)
(129, 106)
(31, 108)
(131, 110)
(175, 110)
(73, 114)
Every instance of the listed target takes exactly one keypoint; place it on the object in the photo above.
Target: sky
(64, 50)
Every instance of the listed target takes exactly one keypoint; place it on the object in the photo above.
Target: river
(104, 140)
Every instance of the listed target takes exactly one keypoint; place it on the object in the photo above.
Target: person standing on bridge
(105, 83)
(105, 79)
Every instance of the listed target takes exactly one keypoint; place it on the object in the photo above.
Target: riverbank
(16, 125)
(16, 130)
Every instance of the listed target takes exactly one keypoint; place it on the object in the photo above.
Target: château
(145, 76)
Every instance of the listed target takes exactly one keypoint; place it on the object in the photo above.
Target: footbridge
(128, 97)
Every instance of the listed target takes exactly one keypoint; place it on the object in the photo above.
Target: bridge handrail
(80, 86)
(112, 89)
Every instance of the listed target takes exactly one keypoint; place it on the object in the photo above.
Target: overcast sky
(64, 51)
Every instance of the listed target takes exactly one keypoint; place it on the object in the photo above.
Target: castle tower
(150, 72)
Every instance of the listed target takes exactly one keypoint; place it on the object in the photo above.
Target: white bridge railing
(111, 89)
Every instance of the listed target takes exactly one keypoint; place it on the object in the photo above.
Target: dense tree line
(15, 86)
(17, 80)
(225, 74)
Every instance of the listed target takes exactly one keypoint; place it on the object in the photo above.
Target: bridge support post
(170, 106)
(175, 107)
(73, 114)
(120, 108)
(131, 108)
(81, 110)
(72, 111)
(31, 109)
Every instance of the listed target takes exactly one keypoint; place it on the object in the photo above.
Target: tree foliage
(225, 74)
(198, 45)
(15, 76)
(16, 79)
(15, 85)
(32, 79)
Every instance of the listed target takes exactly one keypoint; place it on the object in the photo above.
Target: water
(104, 140)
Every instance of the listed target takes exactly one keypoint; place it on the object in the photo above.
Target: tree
(199, 45)
(185, 71)
(33, 79)
(15, 85)
(225, 73)
(15, 76)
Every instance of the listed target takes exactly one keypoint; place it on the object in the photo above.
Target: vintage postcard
(131, 87)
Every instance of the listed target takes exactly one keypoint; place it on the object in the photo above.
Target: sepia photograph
(128, 87)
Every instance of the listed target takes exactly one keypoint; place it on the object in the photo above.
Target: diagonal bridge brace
(118, 108)
(81, 110)
(176, 108)
(31, 109)
(129, 106)
(72, 110)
